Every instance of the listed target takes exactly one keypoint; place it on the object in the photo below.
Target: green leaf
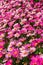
(32, 23)
(25, 59)
(37, 51)
(36, 0)
(14, 60)
(41, 50)
(38, 36)
(6, 45)
(1, 60)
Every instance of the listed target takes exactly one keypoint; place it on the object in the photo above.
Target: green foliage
(14, 60)
(6, 45)
(24, 60)
(0, 60)
(39, 50)
(36, 0)
(38, 36)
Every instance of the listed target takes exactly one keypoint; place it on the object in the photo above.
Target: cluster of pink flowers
(37, 60)
(21, 30)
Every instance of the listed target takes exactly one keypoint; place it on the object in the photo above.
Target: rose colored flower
(1, 48)
(23, 31)
(22, 39)
(27, 46)
(11, 23)
(9, 62)
(12, 42)
(1, 54)
(10, 48)
(8, 55)
(1, 35)
(34, 63)
(17, 35)
(10, 34)
(36, 42)
(15, 53)
(32, 49)
(24, 53)
(8, 15)
(16, 26)
(2, 42)
(23, 21)
(36, 60)
(38, 14)
(18, 44)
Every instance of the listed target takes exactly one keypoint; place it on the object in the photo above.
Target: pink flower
(27, 46)
(24, 53)
(17, 35)
(32, 49)
(23, 31)
(1, 54)
(8, 15)
(8, 55)
(9, 62)
(23, 21)
(10, 34)
(22, 39)
(2, 42)
(1, 48)
(15, 53)
(18, 44)
(34, 63)
(36, 42)
(1, 35)
(35, 60)
(11, 23)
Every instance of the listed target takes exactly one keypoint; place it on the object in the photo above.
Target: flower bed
(21, 32)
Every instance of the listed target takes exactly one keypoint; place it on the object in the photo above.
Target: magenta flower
(1, 54)
(15, 53)
(9, 62)
(35, 61)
